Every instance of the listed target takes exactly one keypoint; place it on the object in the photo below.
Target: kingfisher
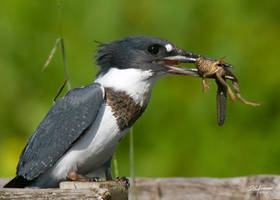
(80, 133)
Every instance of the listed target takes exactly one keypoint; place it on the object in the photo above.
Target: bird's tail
(17, 182)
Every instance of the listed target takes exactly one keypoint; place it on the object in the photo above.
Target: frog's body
(208, 68)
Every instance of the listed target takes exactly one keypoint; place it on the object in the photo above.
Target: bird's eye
(154, 49)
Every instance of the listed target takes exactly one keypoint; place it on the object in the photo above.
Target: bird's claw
(96, 179)
(74, 176)
(123, 180)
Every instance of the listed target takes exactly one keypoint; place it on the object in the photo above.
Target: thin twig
(59, 90)
(132, 193)
(63, 52)
(58, 41)
(115, 161)
(67, 77)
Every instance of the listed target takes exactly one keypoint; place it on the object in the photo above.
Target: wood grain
(258, 187)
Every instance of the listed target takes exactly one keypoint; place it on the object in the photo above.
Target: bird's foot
(96, 179)
(74, 176)
(123, 180)
(108, 174)
(108, 177)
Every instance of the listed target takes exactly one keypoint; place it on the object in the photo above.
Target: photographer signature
(259, 189)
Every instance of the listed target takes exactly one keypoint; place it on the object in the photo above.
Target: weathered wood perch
(259, 187)
(109, 190)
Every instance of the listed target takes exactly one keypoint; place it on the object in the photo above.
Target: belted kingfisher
(79, 134)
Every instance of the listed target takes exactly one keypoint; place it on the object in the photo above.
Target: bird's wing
(62, 126)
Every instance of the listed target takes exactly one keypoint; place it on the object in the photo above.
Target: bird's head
(147, 53)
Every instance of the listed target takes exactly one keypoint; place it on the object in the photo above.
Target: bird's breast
(124, 108)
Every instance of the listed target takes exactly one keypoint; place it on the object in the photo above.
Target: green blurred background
(178, 134)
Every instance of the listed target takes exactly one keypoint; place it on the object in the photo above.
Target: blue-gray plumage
(78, 136)
(65, 122)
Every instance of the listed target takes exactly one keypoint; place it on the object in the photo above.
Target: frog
(220, 71)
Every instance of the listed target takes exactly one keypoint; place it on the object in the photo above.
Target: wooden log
(103, 190)
(259, 187)
(115, 190)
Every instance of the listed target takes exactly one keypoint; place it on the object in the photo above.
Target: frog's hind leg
(230, 93)
(237, 91)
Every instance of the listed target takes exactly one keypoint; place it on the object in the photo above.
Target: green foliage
(178, 134)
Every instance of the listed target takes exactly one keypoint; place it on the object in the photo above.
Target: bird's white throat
(136, 83)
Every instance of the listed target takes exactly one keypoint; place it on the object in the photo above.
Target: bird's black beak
(181, 56)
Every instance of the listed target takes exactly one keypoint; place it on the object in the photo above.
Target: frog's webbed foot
(204, 84)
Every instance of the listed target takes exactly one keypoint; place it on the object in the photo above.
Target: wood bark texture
(258, 187)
